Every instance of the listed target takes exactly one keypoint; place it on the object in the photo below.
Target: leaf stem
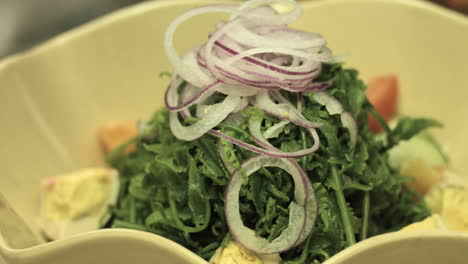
(304, 146)
(132, 210)
(178, 223)
(345, 218)
(365, 217)
(192, 120)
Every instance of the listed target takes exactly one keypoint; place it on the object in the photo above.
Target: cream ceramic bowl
(53, 97)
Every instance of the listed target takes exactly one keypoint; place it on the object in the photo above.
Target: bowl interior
(53, 97)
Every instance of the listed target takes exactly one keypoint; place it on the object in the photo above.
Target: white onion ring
(256, 133)
(213, 118)
(282, 111)
(253, 70)
(262, 151)
(334, 107)
(297, 209)
(218, 113)
(311, 207)
(349, 122)
(206, 91)
(300, 98)
(275, 129)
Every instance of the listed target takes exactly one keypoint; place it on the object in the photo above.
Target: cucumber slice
(421, 146)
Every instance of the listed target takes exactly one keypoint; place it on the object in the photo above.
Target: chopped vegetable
(233, 253)
(76, 202)
(115, 133)
(425, 176)
(421, 158)
(450, 201)
(383, 94)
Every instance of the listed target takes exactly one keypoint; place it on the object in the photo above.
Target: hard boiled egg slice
(77, 202)
(450, 201)
(234, 253)
(433, 222)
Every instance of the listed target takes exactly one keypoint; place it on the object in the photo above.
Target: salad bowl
(54, 96)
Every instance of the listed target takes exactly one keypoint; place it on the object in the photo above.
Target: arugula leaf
(197, 199)
(176, 189)
(409, 127)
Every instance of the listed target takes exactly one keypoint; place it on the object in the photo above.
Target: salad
(264, 141)
(267, 149)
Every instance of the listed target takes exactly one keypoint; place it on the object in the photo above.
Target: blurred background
(24, 23)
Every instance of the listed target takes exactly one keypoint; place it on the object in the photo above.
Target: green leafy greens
(176, 189)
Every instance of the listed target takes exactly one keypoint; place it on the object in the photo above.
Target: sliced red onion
(205, 77)
(235, 119)
(311, 206)
(218, 113)
(235, 22)
(208, 54)
(188, 91)
(172, 90)
(334, 107)
(270, 66)
(298, 209)
(262, 151)
(182, 68)
(255, 51)
(349, 122)
(255, 70)
(256, 133)
(243, 104)
(238, 69)
(277, 79)
(282, 111)
(279, 40)
(300, 98)
(267, 14)
(253, 74)
(199, 76)
(203, 109)
(307, 88)
(275, 130)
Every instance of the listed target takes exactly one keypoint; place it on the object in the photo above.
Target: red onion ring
(297, 209)
(262, 151)
(334, 107)
(283, 111)
(275, 129)
(194, 99)
(257, 136)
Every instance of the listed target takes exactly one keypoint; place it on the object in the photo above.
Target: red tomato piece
(383, 94)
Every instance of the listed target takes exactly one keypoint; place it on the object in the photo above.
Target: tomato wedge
(383, 92)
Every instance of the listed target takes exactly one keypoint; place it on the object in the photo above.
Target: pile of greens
(176, 189)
